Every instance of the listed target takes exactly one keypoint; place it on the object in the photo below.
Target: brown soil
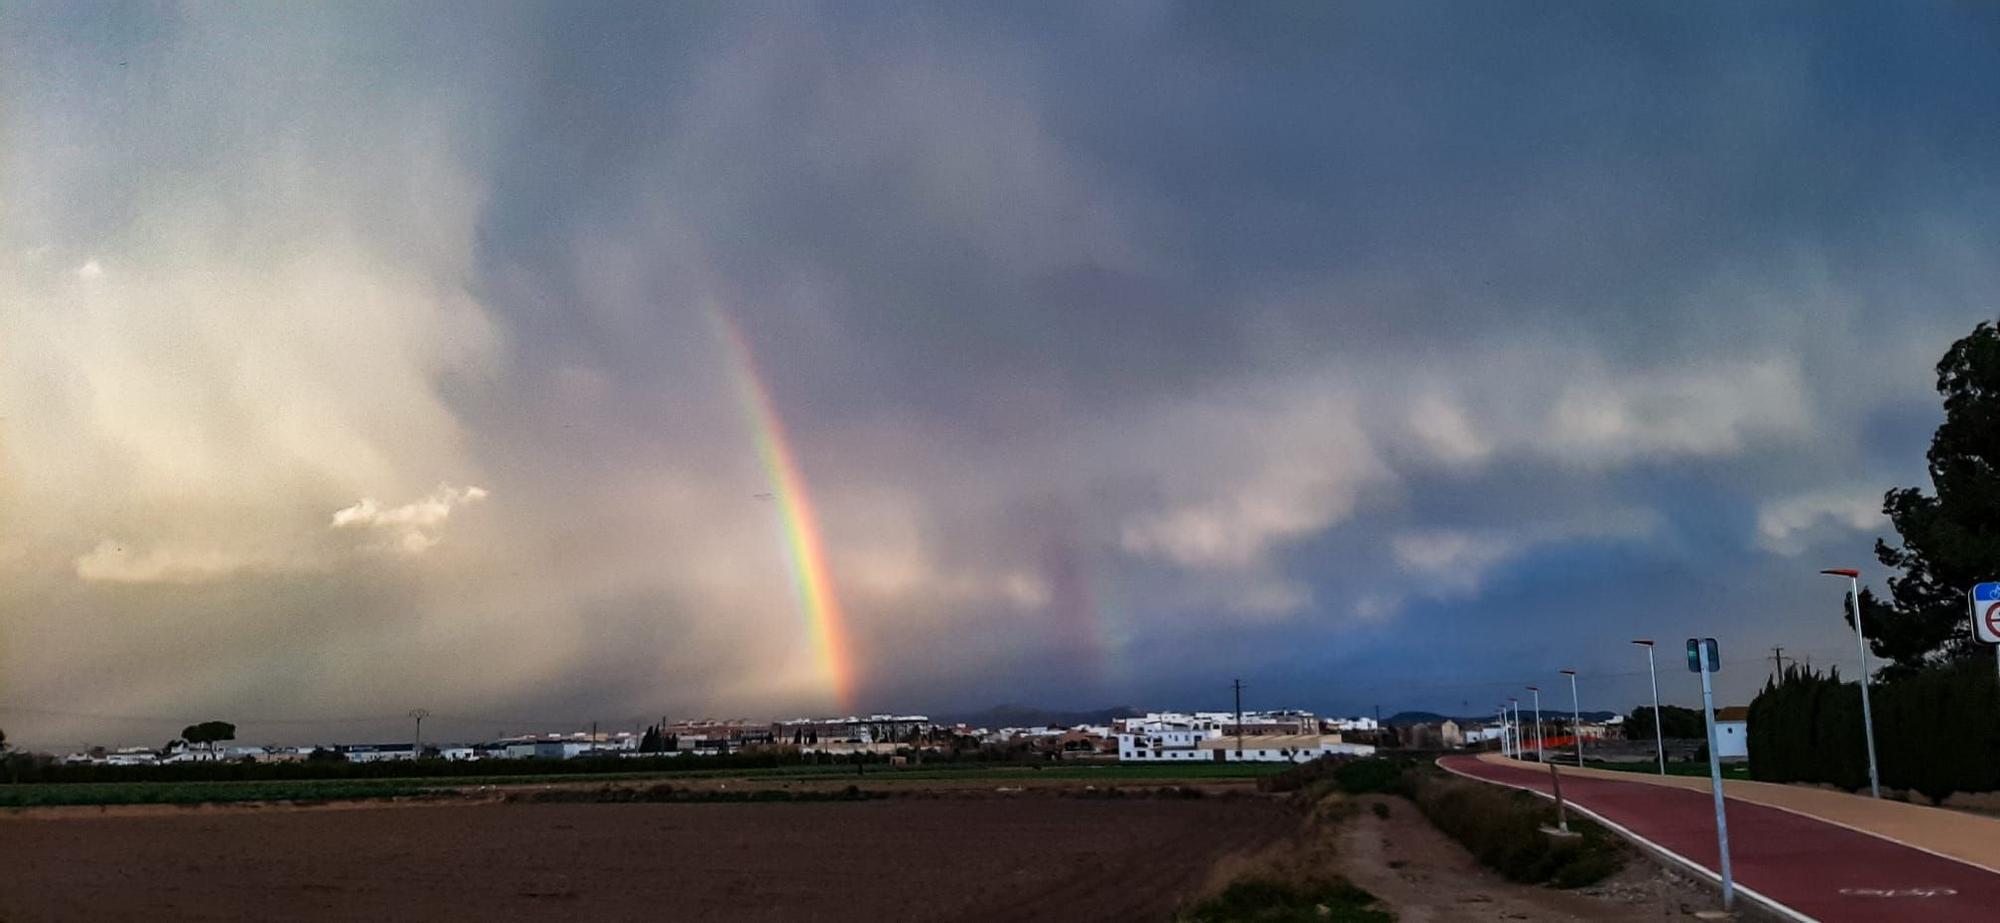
(1426, 877)
(925, 858)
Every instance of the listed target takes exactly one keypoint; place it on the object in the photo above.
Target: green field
(111, 793)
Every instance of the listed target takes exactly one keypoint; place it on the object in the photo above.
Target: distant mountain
(1021, 716)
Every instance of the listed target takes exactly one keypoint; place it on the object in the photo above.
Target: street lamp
(1659, 738)
(1537, 690)
(1517, 725)
(1503, 729)
(1575, 716)
(1860, 641)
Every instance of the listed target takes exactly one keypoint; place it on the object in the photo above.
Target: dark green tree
(1675, 722)
(1951, 537)
(208, 734)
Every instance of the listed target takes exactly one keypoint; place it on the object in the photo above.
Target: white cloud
(1708, 410)
(1443, 427)
(1455, 563)
(1790, 525)
(1251, 473)
(1449, 561)
(410, 528)
(112, 562)
(90, 269)
(1240, 475)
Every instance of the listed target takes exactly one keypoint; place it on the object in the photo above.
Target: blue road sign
(1986, 612)
(1694, 655)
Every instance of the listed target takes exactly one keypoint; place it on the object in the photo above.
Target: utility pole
(1778, 662)
(417, 745)
(1238, 686)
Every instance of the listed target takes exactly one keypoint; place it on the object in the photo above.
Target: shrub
(1503, 829)
(1271, 900)
(1375, 774)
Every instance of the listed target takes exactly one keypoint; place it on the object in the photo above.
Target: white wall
(1732, 738)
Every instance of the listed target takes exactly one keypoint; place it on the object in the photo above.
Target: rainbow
(805, 552)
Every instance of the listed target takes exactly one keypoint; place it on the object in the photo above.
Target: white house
(1165, 744)
(1279, 748)
(1479, 735)
(1732, 732)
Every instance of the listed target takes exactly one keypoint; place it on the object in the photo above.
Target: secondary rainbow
(805, 552)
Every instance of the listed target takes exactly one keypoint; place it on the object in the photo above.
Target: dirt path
(1426, 877)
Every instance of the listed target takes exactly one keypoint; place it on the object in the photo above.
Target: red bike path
(1814, 869)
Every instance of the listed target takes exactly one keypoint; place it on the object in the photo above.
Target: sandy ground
(936, 859)
(1426, 877)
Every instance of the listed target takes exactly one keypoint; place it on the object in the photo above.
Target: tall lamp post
(1537, 690)
(1575, 716)
(1860, 641)
(1517, 725)
(1505, 749)
(1659, 738)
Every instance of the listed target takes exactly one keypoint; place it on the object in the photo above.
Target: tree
(1675, 721)
(208, 733)
(3, 740)
(1951, 538)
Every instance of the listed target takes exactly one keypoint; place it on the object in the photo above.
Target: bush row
(1503, 828)
(1937, 730)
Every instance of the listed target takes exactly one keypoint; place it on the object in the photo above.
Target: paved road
(1817, 869)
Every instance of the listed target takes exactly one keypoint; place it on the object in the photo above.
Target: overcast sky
(355, 358)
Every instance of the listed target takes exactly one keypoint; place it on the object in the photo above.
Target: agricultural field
(1197, 844)
(317, 790)
(986, 856)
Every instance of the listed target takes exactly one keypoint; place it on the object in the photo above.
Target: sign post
(1704, 658)
(1985, 599)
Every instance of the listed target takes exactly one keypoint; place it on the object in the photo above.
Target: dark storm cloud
(1118, 343)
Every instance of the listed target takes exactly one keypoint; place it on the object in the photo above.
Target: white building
(376, 753)
(1480, 735)
(1160, 742)
(1174, 737)
(1279, 748)
(1732, 732)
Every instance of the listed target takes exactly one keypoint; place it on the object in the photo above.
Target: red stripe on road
(1816, 868)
